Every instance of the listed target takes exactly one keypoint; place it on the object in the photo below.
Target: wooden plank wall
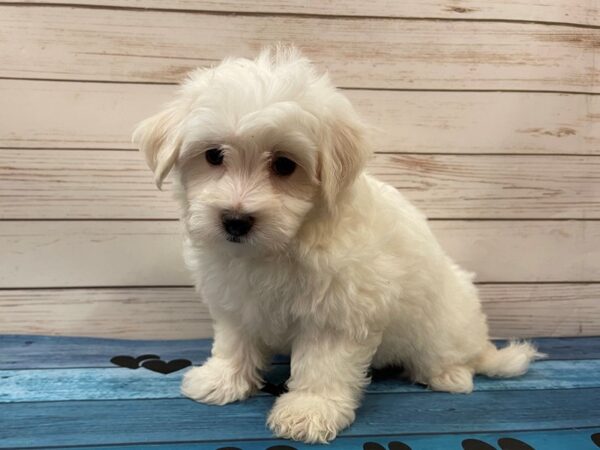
(489, 114)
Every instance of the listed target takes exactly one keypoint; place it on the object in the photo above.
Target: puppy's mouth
(236, 239)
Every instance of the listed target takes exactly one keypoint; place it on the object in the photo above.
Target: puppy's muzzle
(237, 225)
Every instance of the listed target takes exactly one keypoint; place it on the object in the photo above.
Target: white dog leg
(232, 373)
(327, 380)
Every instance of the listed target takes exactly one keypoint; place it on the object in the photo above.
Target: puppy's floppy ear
(159, 138)
(344, 153)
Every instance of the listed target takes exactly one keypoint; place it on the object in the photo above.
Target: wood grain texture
(156, 46)
(118, 383)
(99, 115)
(154, 313)
(529, 310)
(48, 352)
(76, 184)
(561, 11)
(135, 421)
(479, 45)
(147, 253)
(60, 352)
(110, 253)
(542, 310)
(495, 186)
(542, 440)
(514, 310)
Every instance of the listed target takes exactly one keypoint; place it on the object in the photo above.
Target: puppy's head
(256, 146)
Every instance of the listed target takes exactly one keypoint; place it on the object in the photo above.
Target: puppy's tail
(510, 361)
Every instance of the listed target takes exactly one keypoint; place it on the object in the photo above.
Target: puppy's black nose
(237, 225)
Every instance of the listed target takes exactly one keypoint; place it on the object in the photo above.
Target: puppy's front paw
(308, 417)
(217, 382)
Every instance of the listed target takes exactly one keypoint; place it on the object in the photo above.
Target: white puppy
(295, 248)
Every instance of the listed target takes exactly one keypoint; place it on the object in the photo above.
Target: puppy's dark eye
(214, 156)
(283, 166)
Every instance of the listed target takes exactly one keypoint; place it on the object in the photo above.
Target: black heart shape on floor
(504, 443)
(373, 446)
(596, 439)
(513, 444)
(476, 444)
(160, 366)
(130, 362)
(394, 445)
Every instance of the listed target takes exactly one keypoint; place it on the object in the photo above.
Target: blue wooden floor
(61, 392)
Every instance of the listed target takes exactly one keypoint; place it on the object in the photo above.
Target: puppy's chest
(268, 298)
(271, 287)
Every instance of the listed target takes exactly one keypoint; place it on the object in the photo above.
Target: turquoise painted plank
(538, 440)
(568, 348)
(80, 423)
(31, 352)
(122, 384)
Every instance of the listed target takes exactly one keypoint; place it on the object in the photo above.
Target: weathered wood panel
(130, 313)
(495, 186)
(61, 352)
(101, 253)
(528, 310)
(118, 43)
(64, 352)
(149, 421)
(102, 184)
(557, 439)
(140, 253)
(514, 310)
(157, 46)
(100, 115)
(143, 407)
(115, 383)
(562, 11)
(75, 115)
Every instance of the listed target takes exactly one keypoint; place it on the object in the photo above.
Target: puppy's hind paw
(217, 383)
(307, 417)
(455, 379)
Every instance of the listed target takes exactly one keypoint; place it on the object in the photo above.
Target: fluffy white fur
(339, 268)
